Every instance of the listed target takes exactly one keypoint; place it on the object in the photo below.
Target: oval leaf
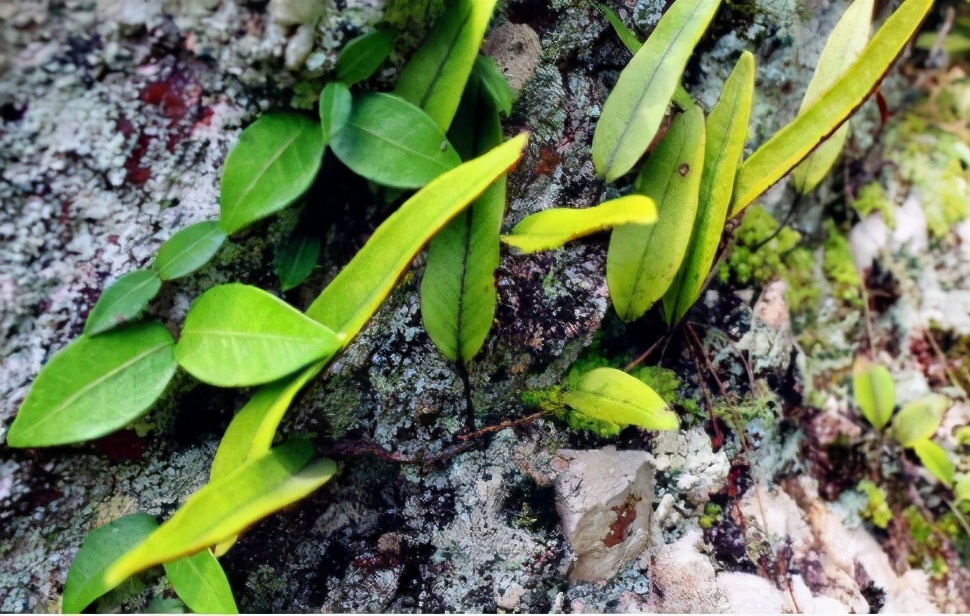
(103, 545)
(274, 162)
(496, 87)
(874, 391)
(123, 301)
(201, 583)
(609, 395)
(225, 508)
(188, 250)
(643, 259)
(552, 228)
(295, 260)
(335, 103)
(390, 141)
(726, 132)
(346, 304)
(95, 386)
(790, 145)
(935, 460)
(361, 57)
(919, 419)
(435, 76)
(237, 335)
(634, 110)
(845, 43)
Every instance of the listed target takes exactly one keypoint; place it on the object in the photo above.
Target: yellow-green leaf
(123, 301)
(935, 460)
(634, 110)
(95, 386)
(347, 303)
(188, 250)
(274, 162)
(727, 130)
(236, 335)
(643, 259)
(103, 545)
(458, 295)
(201, 583)
(435, 76)
(790, 145)
(552, 228)
(626, 35)
(609, 395)
(225, 508)
(874, 391)
(961, 489)
(845, 43)
(919, 419)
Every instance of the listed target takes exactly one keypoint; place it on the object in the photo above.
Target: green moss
(711, 516)
(761, 405)
(872, 198)
(411, 18)
(839, 266)
(877, 510)
(669, 387)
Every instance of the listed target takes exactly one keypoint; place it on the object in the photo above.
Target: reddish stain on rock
(121, 446)
(625, 516)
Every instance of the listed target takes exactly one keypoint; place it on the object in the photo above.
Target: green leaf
(626, 35)
(961, 489)
(335, 104)
(274, 162)
(790, 145)
(237, 335)
(458, 295)
(634, 110)
(874, 391)
(123, 301)
(554, 227)
(935, 460)
(643, 259)
(845, 43)
(201, 583)
(727, 130)
(494, 83)
(919, 419)
(188, 250)
(390, 141)
(347, 303)
(435, 76)
(954, 43)
(609, 395)
(295, 259)
(361, 57)
(103, 545)
(95, 386)
(225, 508)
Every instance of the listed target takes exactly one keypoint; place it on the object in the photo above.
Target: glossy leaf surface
(458, 295)
(935, 460)
(919, 419)
(236, 335)
(103, 545)
(123, 301)
(643, 259)
(613, 396)
(201, 583)
(634, 110)
(295, 260)
(95, 386)
(274, 162)
(361, 57)
(790, 145)
(496, 87)
(552, 228)
(726, 132)
(845, 43)
(390, 141)
(225, 508)
(435, 76)
(335, 104)
(874, 392)
(347, 303)
(189, 250)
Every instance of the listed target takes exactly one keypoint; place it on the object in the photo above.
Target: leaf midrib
(270, 162)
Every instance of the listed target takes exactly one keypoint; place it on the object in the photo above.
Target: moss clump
(877, 510)
(760, 405)
(872, 198)
(926, 551)
(669, 387)
(839, 267)
(412, 19)
(711, 516)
